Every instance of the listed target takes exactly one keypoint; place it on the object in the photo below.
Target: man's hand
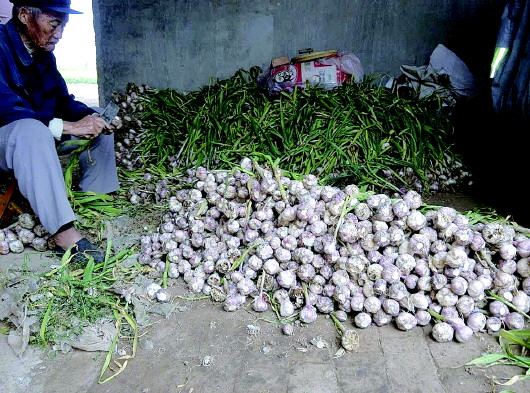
(88, 127)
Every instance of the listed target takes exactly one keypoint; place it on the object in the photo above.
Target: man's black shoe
(81, 252)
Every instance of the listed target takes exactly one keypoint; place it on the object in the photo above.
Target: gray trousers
(27, 150)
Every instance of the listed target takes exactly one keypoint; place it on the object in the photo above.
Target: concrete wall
(183, 43)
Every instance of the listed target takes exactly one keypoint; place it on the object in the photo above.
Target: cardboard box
(278, 61)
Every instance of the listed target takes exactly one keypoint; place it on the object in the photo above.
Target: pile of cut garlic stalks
(358, 133)
(253, 236)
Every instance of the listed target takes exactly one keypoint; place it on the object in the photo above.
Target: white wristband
(56, 128)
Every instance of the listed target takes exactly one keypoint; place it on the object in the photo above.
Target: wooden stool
(12, 203)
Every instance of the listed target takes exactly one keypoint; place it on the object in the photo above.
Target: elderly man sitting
(37, 114)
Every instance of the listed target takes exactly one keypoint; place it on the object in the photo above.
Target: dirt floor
(195, 347)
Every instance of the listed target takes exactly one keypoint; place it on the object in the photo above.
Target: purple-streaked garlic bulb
(152, 289)
(397, 291)
(173, 271)
(523, 267)
(424, 283)
(306, 273)
(475, 289)
(246, 286)
(308, 314)
(463, 333)
(260, 304)
(493, 324)
(449, 312)
(438, 246)
(416, 220)
(423, 317)
(459, 286)
(411, 281)
(391, 274)
(372, 304)
(363, 211)
(446, 298)
(494, 233)
(271, 266)
(286, 308)
(405, 321)
(514, 320)
(26, 221)
(328, 290)
(503, 280)
(357, 302)
(412, 199)
(522, 301)
(422, 268)
(380, 287)
(498, 309)
(286, 278)
(444, 217)
(4, 248)
(24, 235)
(525, 285)
(476, 321)
(324, 304)
(391, 307)
(508, 266)
(39, 244)
(362, 320)
(400, 208)
(405, 263)
(341, 315)
(463, 236)
(435, 307)
(374, 271)
(443, 332)
(196, 284)
(9, 235)
(163, 295)
(397, 235)
(234, 302)
(523, 247)
(419, 300)
(16, 246)
(456, 257)
(439, 281)
(507, 250)
(419, 245)
(381, 318)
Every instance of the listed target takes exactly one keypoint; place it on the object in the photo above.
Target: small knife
(110, 112)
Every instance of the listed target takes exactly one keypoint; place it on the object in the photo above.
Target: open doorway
(75, 53)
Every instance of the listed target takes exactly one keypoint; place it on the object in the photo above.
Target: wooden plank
(5, 198)
(12, 203)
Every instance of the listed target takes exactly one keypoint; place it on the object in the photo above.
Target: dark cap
(54, 5)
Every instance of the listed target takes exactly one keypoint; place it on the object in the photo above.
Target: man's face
(44, 30)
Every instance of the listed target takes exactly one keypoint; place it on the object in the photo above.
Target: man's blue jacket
(31, 86)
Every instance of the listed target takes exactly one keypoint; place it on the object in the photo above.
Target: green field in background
(89, 76)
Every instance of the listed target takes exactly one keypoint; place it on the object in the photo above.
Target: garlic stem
(487, 260)
(511, 305)
(338, 324)
(342, 215)
(242, 257)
